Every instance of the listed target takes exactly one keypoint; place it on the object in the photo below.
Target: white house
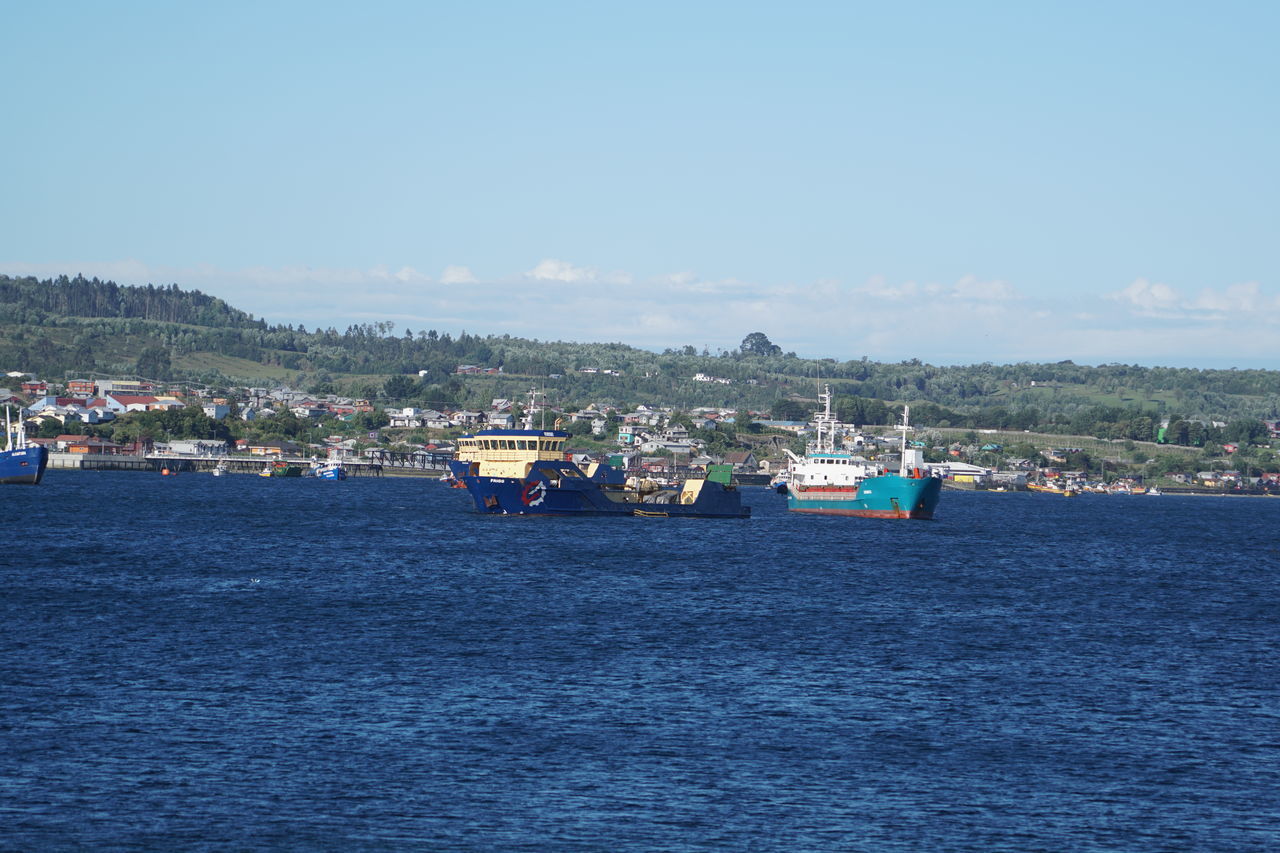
(501, 420)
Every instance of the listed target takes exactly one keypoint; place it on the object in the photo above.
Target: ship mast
(825, 421)
(905, 426)
(533, 401)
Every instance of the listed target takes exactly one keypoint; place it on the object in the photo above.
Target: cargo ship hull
(24, 466)
(563, 490)
(887, 496)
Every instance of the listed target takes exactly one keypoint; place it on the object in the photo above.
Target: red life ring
(534, 492)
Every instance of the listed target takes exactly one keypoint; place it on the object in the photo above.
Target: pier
(404, 463)
(195, 464)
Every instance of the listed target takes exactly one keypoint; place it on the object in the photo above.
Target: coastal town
(75, 420)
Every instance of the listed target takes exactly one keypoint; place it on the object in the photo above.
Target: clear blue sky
(955, 182)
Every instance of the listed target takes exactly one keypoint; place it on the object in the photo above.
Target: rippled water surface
(239, 663)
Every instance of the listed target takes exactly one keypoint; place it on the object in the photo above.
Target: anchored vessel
(524, 472)
(330, 469)
(280, 468)
(830, 481)
(20, 461)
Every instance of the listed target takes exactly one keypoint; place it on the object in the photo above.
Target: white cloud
(1246, 297)
(1148, 298)
(410, 274)
(1244, 302)
(457, 275)
(551, 269)
(877, 287)
(970, 287)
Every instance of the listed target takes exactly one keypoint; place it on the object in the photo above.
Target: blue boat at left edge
(21, 462)
(524, 472)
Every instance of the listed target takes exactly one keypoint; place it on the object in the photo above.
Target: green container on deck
(720, 473)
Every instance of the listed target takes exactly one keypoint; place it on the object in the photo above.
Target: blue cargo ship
(525, 472)
(832, 481)
(21, 461)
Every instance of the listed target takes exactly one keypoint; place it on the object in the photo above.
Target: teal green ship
(829, 481)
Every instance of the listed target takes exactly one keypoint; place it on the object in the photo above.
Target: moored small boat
(329, 471)
(280, 468)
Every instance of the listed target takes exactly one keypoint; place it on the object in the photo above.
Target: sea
(241, 663)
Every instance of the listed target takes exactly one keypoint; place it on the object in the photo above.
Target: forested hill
(74, 326)
(28, 300)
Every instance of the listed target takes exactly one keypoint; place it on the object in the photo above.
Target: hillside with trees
(72, 327)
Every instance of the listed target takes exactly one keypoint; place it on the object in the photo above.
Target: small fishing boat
(329, 471)
(280, 468)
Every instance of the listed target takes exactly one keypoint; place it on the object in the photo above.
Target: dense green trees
(758, 343)
(790, 410)
(398, 387)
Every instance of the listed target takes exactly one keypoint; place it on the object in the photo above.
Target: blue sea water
(244, 663)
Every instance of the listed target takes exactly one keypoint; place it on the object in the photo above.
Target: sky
(953, 182)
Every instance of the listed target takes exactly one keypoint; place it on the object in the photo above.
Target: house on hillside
(254, 412)
(675, 432)
(120, 404)
(406, 418)
(127, 388)
(501, 420)
(743, 461)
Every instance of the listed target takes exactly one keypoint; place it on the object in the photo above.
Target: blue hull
(25, 466)
(888, 496)
(580, 496)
